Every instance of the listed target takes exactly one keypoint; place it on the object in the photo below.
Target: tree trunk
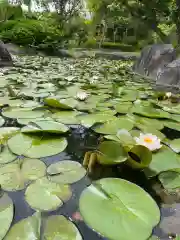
(178, 21)
(5, 57)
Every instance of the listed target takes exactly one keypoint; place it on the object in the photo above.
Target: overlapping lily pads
(11, 112)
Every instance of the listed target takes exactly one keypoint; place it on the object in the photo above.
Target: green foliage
(118, 46)
(90, 43)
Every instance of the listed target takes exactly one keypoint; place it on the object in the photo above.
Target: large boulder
(5, 56)
(153, 58)
(170, 74)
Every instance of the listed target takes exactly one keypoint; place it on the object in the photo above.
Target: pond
(68, 123)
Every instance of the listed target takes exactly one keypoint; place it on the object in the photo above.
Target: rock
(5, 57)
(153, 58)
(170, 74)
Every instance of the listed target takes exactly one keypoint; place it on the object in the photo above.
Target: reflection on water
(79, 141)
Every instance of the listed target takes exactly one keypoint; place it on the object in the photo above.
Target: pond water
(32, 80)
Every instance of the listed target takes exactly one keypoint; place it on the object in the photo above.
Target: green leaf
(66, 172)
(112, 127)
(6, 214)
(44, 195)
(58, 227)
(172, 125)
(118, 209)
(45, 126)
(163, 160)
(66, 117)
(6, 132)
(110, 152)
(11, 112)
(170, 180)
(123, 107)
(90, 119)
(36, 146)
(175, 145)
(152, 130)
(28, 228)
(149, 122)
(139, 157)
(25, 121)
(68, 103)
(6, 156)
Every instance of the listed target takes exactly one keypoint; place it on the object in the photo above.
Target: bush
(119, 46)
(90, 43)
(30, 32)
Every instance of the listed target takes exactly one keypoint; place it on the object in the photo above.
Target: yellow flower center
(148, 140)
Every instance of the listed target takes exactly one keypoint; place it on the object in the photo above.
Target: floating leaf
(58, 227)
(112, 127)
(123, 107)
(22, 113)
(2, 121)
(66, 117)
(44, 195)
(149, 122)
(33, 169)
(139, 157)
(111, 203)
(36, 146)
(45, 126)
(172, 125)
(110, 152)
(68, 103)
(6, 156)
(25, 121)
(152, 130)
(6, 214)
(175, 145)
(163, 160)
(66, 172)
(90, 119)
(170, 179)
(6, 132)
(28, 228)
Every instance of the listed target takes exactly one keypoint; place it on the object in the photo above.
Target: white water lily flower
(81, 95)
(152, 142)
(168, 94)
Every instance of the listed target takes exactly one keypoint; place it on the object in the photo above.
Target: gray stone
(153, 58)
(170, 74)
(5, 56)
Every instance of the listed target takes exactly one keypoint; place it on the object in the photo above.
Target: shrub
(119, 46)
(90, 43)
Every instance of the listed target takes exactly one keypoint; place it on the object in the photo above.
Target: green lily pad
(25, 121)
(175, 145)
(6, 132)
(36, 146)
(11, 178)
(58, 227)
(163, 160)
(110, 203)
(66, 172)
(111, 152)
(152, 130)
(6, 156)
(123, 107)
(44, 195)
(11, 112)
(172, 125)
(45, 126)
(66, 117)
(28, 228)
(68, 103)
(6, 214)
(112, 127)
(170, 180)
(32, 169)
(149, 122)
(139, 157)
(90, 119)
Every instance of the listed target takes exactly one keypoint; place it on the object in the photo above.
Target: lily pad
(172, 125)
(112, 127)
(25, 121)
(44, 195)
(28, 228)
(6, 132)
(36, 146)
(2, 121)
(170, 180)
(68, 103)
(6, 214)
(11, 112)
(58, 227)
(175, 145)
(66, 172)
(149, 122)
(163, 160)
(110, 203)
(6, 156)
(139, 157)
(45, 126)
(111, 152)
(123, 107)
(66, 117)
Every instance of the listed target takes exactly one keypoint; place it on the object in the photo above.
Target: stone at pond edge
(153, 58)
